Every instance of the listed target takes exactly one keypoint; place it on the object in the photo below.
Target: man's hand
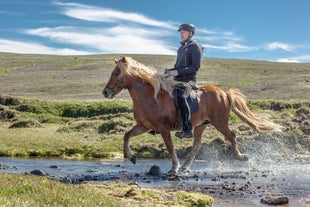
(173, 72)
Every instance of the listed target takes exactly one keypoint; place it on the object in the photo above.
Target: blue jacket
(188, 61)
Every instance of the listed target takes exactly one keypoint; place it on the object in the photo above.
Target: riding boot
(186, 132)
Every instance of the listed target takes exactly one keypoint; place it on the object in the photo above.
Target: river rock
(3, 166)
(37, 172)
(217, 178)
(67, 180)
(275, 199)
(88, 177)
(155, 171)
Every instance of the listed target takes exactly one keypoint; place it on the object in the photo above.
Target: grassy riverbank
(94, 129)
(29, 190)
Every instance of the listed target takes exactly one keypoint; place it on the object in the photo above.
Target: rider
(185, 70)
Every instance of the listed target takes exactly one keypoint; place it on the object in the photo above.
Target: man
(185, 70)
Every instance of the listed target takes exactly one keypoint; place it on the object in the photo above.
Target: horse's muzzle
(108, 93)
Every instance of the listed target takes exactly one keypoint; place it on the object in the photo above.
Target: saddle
(192, 102)
(191, 99)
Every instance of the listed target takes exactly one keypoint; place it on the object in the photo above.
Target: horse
(154, 109)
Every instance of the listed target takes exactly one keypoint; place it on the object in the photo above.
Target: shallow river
(231, 183)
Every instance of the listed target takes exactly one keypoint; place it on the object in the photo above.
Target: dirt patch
(302, 117)
(7, 115)
(29, 123)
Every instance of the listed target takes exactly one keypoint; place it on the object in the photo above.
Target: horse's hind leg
(135, 131)
(223, 128)
(196, 146)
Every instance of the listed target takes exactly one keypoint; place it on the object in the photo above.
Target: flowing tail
(240, 108)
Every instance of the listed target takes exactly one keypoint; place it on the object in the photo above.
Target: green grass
(47, 142)
(29, 190)
(93, 129)
(83, 77)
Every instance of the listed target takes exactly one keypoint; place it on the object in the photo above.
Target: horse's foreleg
(135, 131)
(196, 146)
(169, 145)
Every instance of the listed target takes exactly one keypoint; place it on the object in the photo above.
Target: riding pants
(184, 108)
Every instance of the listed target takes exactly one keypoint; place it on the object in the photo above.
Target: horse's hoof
(173, 178)
(133, 159)
(172, 172)
(243, 157)
(184, 170)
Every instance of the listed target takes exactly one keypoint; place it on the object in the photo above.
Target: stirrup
(184, 134)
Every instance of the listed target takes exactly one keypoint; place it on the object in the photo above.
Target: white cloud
(225, 41)
(230, 47)
(7, 12)
(35, 48)
(99, 14)
(296, 59)
(149, 39)
(127, 32)
(220, 36)
(279, 45)
(119, 39)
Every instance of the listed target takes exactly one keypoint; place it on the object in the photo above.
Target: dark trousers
(184, 108)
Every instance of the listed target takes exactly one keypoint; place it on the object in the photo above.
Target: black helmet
(187, 27)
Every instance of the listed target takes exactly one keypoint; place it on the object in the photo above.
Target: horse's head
(117, 81)
(128, 73)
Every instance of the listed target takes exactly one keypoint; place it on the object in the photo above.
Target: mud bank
(231, 183)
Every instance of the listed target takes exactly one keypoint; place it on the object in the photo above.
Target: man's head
(186, 31)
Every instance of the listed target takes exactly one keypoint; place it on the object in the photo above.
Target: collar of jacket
(187, 43)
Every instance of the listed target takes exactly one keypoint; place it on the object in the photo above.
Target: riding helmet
(187, 27)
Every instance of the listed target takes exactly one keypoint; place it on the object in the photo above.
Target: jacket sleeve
(195, 56)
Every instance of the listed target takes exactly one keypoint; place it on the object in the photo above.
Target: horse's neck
(141, 93)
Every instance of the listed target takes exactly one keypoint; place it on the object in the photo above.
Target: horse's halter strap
(116, 84)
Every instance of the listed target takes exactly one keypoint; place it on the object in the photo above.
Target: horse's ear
(124, 59)
(115, 60)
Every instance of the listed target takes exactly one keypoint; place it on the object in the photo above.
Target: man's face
(184, 35)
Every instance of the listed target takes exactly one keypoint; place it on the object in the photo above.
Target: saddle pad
(192, 103)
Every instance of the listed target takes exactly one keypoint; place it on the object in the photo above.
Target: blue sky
(272, 30)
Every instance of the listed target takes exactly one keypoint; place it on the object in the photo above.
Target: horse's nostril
(105, 93)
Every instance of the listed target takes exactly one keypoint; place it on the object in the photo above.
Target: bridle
(135, 84)
(120, 79)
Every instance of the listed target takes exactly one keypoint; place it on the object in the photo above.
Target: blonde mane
(133, 68)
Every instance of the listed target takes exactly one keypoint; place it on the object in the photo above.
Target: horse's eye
(116, 74)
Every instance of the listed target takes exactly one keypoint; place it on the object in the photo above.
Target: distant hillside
(83, 77)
